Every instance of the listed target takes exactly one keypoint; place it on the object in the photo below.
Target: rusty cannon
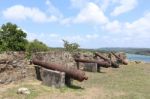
(71, 72)
(120, 59)
(113, 64)
(102, 63)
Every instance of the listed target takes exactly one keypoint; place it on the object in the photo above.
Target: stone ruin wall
(14, 67)
(57, 57)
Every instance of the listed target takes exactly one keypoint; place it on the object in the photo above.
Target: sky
(90, 23)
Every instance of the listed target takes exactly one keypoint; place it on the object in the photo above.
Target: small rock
(137, 62)
(23, 90)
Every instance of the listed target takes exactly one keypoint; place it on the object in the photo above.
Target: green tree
(12, 38)
(71, 47)
(36, 46)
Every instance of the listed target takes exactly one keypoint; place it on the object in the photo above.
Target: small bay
(135, 57)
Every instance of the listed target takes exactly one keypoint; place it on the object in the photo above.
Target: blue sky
(91, 23)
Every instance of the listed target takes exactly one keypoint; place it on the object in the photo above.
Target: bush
(36, 46)
(71, 47)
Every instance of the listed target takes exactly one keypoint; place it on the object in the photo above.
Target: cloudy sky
(91, 23)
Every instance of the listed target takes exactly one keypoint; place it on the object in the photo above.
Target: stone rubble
(23, 90)
(13, 67)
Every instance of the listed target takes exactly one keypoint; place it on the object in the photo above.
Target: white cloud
(54, 35)
(66, 21)
(78, 3)
(92, 36)
(91, 13)
(105, 4)
(125, 6)
(114, 26)
(20, 12)
(140, 27)
(55, 40)
(53, 10)
(133, 34)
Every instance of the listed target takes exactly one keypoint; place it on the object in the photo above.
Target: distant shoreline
(137, 57)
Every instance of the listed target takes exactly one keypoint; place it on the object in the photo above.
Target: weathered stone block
(38, 72)
(68, 80)
(52, 78)
(92, 67)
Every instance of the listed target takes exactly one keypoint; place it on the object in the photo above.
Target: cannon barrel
(120, 59)
(72, 72)
(115, 65)
(97, 54)
(103, 63)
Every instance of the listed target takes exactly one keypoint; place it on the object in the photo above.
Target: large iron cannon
(113, 64)
(102, 63)
(120, 59)
(71, 72)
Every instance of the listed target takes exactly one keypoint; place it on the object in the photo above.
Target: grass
(127, 82)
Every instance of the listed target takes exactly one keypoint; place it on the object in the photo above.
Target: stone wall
(14, 67)
(57, 57)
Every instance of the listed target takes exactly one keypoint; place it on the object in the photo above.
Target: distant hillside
(141, 51)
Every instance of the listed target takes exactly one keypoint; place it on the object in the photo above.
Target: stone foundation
(91, 67)
(52, 78)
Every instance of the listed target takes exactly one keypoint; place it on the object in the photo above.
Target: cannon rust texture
(102, 63)
(113, 64)
(71, 72)
(120, 59)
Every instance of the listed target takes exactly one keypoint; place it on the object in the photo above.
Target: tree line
(13, 38)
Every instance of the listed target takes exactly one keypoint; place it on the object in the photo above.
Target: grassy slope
(127, 82)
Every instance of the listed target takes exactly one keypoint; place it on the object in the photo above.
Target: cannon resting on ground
(71, 72)
(113, 64)
(121, 60)
(102, 63)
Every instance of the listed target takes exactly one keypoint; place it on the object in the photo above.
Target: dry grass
(126, 82)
